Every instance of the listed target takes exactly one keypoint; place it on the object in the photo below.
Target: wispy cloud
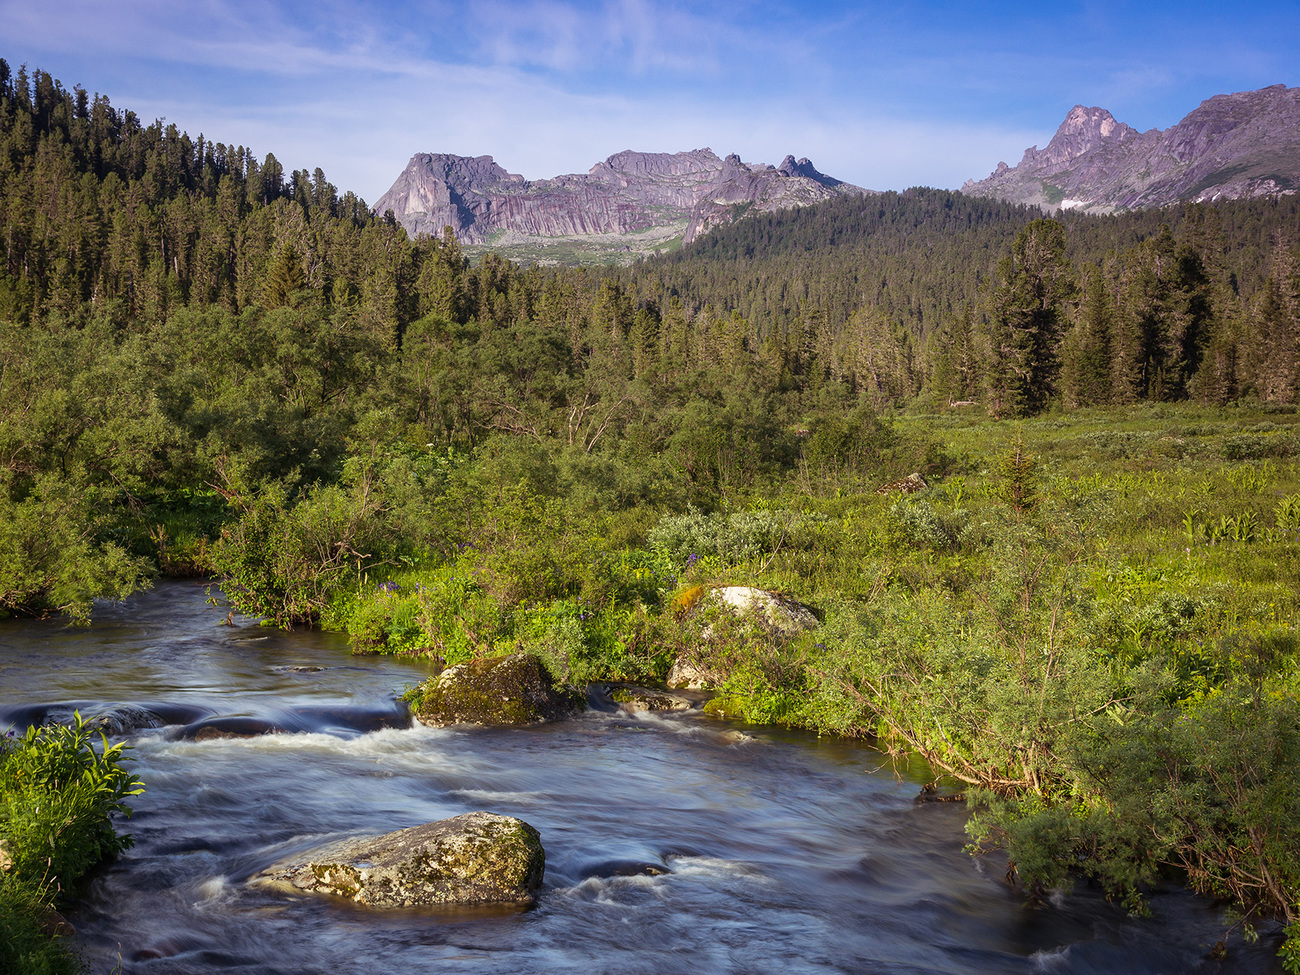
(615, 38)
(881, 94)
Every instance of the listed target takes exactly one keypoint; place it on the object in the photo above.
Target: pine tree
(1028, 320)
(1090, 365)
(283, 278)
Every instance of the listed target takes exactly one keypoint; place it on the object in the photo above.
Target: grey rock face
(628, 193)
(478, 858)
(1233, 146)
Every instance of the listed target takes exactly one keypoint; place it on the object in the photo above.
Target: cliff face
(1232, 146)
(629, 193)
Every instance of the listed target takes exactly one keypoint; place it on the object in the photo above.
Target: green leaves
(57, 792)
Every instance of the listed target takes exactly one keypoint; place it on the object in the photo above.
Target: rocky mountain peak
(805, 168)
(653, 195)
(1084, 130)
(1239, 145)
(631, 163)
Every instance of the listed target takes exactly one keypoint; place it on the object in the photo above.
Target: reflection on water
(674, 844)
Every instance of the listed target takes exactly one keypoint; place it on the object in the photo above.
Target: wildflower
(389, 586)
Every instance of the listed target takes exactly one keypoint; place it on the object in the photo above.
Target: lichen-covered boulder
(772, 616)
(478, 858)
(689, 674)
(509, 690)
(782, 617)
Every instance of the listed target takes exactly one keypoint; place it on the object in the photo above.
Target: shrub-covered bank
(58, 791)
(1087, 622)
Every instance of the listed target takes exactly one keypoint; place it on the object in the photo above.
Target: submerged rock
(634, 699)
(478, 858)
(624, 868)
(510, 690)
(112, 718)
(230, 726)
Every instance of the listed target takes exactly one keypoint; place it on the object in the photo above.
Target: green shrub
(460, 619)
(917, 523)
(57, 794)
(49, 558)
(733, 539)
(383, 619)
(555, 633)
(1249, 446)
(285, 559)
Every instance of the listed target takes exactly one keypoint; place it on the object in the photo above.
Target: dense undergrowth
(58, 791)
(1087, 621)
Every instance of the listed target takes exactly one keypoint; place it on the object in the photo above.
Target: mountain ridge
(660, 198)
(1232, 146)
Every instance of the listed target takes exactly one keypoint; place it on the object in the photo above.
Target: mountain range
(632, 202)
(1231, 147)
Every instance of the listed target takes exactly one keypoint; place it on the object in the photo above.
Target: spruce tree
(1028, 320)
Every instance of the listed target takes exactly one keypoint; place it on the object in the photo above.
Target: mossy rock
(618, 696)
(515, 689)
(478, 858)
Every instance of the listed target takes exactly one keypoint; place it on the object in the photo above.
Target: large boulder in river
(478, 858)
(509, 690)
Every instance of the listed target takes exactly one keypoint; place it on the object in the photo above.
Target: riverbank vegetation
(1086, 620)
(58, 792)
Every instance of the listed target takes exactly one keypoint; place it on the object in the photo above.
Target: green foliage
(1028, 320)
(25, 948)
(50, 557)
(284, 560)
(745, 536)
(57, 793)
(1017, 471)
(919, 524)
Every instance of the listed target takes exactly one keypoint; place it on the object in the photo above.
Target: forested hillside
(210, 367)
(896, 293)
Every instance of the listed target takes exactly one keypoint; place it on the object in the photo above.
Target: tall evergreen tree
(283, 278)
(1088, 366)
(1028, 319)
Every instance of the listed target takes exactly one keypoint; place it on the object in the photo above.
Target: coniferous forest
(1086, 621)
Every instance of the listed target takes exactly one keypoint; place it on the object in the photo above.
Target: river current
(674, 843)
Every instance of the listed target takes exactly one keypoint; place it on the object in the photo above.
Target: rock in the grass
(478, 858)
(781, 618)
(689, 675)
(510, 690)
(634, 699)
(904, 485)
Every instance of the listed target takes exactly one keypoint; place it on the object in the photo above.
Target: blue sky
(885, 95)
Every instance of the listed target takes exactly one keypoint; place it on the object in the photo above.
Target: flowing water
(674, 843)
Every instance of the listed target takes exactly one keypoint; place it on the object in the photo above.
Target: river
(674, 843)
